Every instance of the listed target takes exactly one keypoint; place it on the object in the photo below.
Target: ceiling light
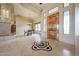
(40, 3)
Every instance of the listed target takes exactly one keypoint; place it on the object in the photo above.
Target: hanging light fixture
(40, 3)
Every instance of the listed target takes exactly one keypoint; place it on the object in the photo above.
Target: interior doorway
(52, 27)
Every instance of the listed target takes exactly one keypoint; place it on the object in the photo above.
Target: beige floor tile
(22, 46)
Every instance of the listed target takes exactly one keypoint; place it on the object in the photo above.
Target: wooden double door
(53, 23)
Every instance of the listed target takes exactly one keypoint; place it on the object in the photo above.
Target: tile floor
(21, 46)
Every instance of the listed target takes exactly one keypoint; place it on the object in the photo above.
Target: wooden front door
(53, 22)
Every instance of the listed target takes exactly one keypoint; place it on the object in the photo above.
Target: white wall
(77, 28)
(21, 25)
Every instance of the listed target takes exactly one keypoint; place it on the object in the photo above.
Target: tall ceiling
(20, 10)
(32, 10)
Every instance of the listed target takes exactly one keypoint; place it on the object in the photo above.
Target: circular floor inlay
(42, 46)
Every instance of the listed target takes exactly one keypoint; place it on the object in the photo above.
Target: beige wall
(21, 25)
(5, 28)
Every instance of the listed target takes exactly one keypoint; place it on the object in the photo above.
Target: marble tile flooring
(21, 46)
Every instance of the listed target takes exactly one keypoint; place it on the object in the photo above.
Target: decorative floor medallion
(42, 46)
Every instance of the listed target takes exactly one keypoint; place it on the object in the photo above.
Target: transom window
(53, 10)
(66, 4)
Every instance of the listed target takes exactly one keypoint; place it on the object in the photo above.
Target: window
(77, 20)
(45, 21)
(45, 24)
(38, 27)
(44, 14)
(5, 13)
(66, 22)
(66, 4)
(53, 10)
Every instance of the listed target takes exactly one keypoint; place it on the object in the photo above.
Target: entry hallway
(22, 46)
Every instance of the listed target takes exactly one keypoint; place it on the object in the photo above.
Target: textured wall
(5, 28)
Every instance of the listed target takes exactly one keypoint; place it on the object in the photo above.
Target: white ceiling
(39, 5)
(32, 10)
(32, 6)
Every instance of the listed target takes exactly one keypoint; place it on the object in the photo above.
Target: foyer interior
(22, 24)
